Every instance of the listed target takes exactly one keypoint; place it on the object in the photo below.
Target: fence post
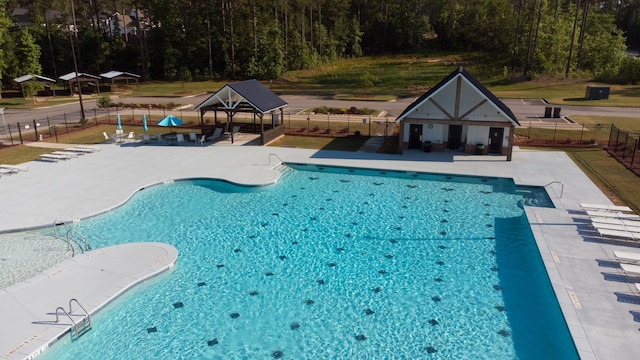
(347, 125)
(49, 126)
(66, 126)
(328, 127)
(624, 148)
(20, 134)
(581, 133)
(369, 125)
(529, 133)
(10, 134)
(554, 134)
(617, 139)
(55, 131)
(95, 116)
(35, 128)
(108, 116)
(633, 154)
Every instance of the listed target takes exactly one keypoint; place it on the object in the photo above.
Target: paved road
(526, 110)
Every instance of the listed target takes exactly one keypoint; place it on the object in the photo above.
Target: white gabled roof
(114, 74)
(459, 96)
(24, 78)
(73, 75)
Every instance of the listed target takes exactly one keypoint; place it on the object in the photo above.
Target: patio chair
(236, 130)
(203, 140)
(146, 138)
(107, 137)
(159, 138)
(216, 134)
(180, 139)
(131, 136)
(193, 137)
(602, 207)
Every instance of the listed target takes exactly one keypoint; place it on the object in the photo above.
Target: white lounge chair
(629, 222)
(203, 140)
(620, 227)
(107, 137)
(4, 171)
(146, 138)
(53, 157)
(611, 214)
(619, 234)
(131, 136)
(180, 138)
(216, 134)
(638, 287)
(631, 269)
(14, 168)
(588, 206)
(236, 130)
(68, 154)
(90, 148)
(193, 137)
(78, 150)
(627, 257)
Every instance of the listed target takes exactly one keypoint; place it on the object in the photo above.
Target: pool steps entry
(79, 328)
(71, 235)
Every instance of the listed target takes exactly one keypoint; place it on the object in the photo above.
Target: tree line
(207, 39)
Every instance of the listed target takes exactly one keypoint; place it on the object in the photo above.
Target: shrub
(104, 102)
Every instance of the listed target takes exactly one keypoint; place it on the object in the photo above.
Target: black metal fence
(51, 126)
(623, 145)
(562, 134)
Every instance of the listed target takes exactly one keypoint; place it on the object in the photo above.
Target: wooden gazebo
(248, 96)
(114, 76)
(35, 79)
(76, 79)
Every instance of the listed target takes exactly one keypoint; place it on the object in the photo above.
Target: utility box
(597, 92)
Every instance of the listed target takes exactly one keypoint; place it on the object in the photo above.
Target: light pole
(75, 62)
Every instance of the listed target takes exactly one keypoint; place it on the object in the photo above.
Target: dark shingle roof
(461, 71)
(254, 93)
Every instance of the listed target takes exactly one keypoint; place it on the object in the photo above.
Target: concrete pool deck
(599, 302)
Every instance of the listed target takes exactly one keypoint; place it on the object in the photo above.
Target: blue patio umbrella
(170, 120)
(144, 123)
(119, 127)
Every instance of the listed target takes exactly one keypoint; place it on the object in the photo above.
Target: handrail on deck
(561, 186)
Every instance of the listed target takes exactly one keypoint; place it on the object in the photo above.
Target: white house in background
(458, 114)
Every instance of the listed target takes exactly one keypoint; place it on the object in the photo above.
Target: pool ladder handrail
(70, 234)
(277, 157)
(561, 186)
(79, 328)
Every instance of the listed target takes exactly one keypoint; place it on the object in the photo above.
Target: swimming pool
(331, 263)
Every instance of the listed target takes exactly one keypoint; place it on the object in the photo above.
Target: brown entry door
(455, 137)
(415, 136)
(495, 140)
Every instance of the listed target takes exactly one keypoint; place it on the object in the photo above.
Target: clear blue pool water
(330, 263)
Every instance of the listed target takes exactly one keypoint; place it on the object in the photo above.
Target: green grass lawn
(616, 181)
(321, 143)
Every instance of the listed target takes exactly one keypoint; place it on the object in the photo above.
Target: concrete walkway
(598, 300)
(28, 310)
